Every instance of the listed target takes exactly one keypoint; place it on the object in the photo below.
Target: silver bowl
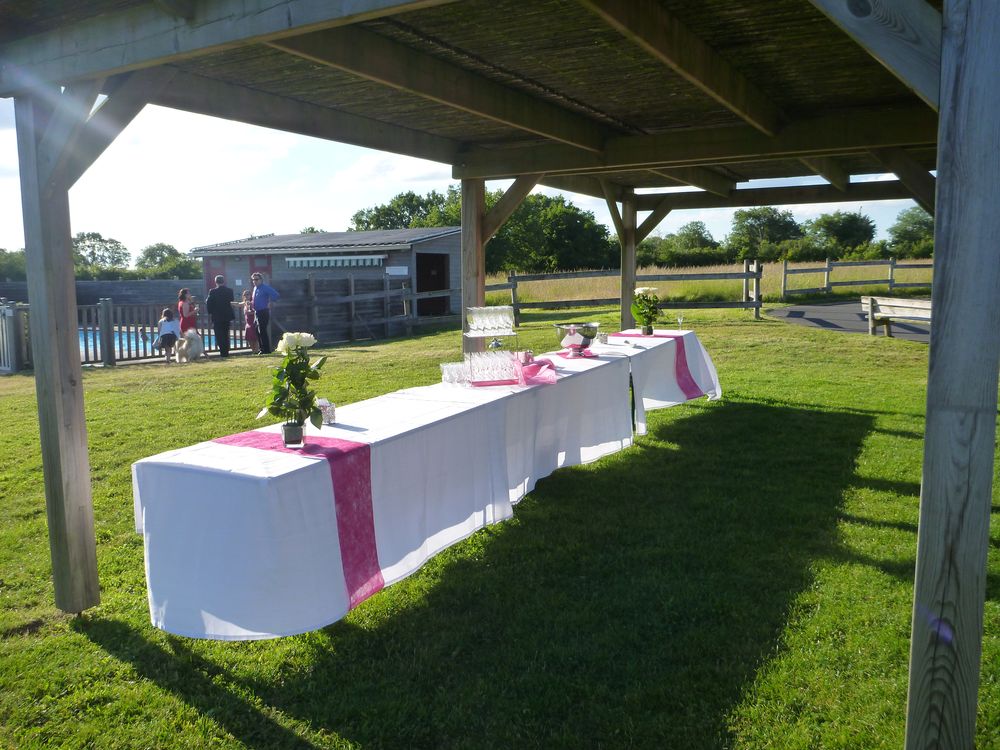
(576, 336)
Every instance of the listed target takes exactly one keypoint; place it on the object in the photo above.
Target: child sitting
(169, 332)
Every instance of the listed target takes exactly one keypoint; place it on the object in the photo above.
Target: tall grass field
(741, 577)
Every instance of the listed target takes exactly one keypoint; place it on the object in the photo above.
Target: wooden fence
(750, 276)
(15, 346)
(828, 269)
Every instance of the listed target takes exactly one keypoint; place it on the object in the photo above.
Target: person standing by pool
(220, 306)
(187, 311)
(263, 296)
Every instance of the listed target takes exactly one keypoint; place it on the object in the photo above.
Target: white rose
(645, 290)
(294, 341)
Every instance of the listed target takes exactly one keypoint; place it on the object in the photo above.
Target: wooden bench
(888, 310)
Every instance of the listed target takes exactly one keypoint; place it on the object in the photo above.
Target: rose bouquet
(291, 398)
(645, 307)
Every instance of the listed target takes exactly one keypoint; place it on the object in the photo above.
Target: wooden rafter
(776, 196)
(829, 170)
(700, 177)
(385, 61)
(651, 222)
(918, 180)
(611, 197)
(658, 32)
(107, 44)
(903, 35)
(844, 132)
(206, 96)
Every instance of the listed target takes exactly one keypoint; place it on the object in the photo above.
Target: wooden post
(350, 306)
(473, 255)
(628, 258)
(512, 280)
(826, 277)
(386, 305)
(784, 278)
(758, 271)
(746, 279)
(892, 272)
(58, 373)
(956, 491)
(311, 301)
(408, 318)
(106, 329)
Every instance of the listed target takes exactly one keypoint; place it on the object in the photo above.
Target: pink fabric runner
(682, 372)
(350, 470)
(537, 372)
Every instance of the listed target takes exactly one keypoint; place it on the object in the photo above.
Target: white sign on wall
(397, 270)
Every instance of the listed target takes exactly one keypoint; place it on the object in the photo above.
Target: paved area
(845, 317)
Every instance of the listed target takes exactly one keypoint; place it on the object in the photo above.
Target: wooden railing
(750, 300)
(15, 347)
(830, 266)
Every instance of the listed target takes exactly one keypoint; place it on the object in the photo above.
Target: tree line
(103, 258)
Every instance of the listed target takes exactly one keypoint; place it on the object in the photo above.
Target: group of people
(221, 306)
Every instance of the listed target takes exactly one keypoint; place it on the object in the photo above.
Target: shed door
(432, 276)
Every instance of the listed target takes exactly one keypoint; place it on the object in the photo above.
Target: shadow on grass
(628, 603)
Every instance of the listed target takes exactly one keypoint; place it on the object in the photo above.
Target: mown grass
(680, 291)
(741, 577)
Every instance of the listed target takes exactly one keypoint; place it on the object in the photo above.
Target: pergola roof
(635, 93)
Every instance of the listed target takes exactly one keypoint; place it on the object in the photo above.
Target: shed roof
(341, 242)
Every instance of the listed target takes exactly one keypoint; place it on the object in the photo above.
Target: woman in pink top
(187, 311)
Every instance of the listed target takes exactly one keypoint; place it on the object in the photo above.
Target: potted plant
(290, 397)
(645, 308)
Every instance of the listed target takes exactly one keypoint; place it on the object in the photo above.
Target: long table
(245, 539)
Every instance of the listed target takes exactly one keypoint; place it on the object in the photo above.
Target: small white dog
(190, 347)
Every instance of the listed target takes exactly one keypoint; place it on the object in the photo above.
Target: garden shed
(319, 273)
(622, 99)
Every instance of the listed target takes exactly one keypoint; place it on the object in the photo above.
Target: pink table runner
(350, 470)
(682, 372)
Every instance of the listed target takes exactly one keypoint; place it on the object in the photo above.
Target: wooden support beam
(205, 96)
(56, 358)
(628, 243)
(611, 198)
(826, 135)
(107, 44)
(388, 62)
(651, 222)
(508, 204)
(473, 254)
(829, 170)
(700, 177)
(71, 109)
(903, 35)
(917, 179)
(121, 106)
(777, 196)
(582, 184)
(648, 24)
(959, 449)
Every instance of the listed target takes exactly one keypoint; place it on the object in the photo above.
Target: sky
(189, 180)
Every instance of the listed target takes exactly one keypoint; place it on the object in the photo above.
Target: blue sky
(190, 180)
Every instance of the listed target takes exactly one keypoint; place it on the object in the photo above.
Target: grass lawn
(741, 577)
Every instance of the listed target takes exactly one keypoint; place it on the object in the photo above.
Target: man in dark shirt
(263, 296)
(220, 307)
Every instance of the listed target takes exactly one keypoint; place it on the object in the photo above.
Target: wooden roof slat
(648, 24)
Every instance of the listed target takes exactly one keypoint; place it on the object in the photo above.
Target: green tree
(692, 236)
(752, 226)
(12, 265)
(156, 255)
(841, 231)
(94, 252)
(403, 211)
(311, 230)
(912, 236)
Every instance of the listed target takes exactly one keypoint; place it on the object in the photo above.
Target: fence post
(10, 338)
(892, 272)
(826, 277)
(512, 280)
(784, 277)
(758, 270)
(746, 279)
(106, 329)
(408, 318)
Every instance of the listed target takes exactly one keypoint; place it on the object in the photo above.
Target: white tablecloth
(242, 543)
